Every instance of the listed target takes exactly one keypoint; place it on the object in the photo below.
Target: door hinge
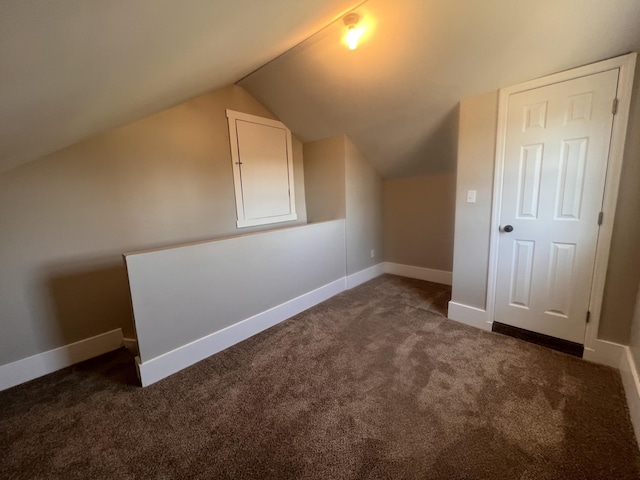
(614, 106)
(600, 217)
(588, 316)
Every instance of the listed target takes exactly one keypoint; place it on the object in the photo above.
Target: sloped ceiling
(72, 68)
(396, 96)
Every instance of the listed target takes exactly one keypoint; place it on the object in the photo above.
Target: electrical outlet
(373, 253)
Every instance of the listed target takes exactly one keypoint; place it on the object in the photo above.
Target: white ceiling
(72, 68)
(396, 96)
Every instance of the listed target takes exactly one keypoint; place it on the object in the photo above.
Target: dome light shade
(353, 32)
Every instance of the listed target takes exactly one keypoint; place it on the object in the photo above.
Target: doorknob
(508, 228)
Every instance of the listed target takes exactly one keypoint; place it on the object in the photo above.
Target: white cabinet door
(263, 170)
(556, 151)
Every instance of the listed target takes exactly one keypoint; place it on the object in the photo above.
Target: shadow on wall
(437, 152)
(89, 302)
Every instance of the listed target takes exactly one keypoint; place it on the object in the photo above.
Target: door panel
(264, 170)
(529, 178)
(556, 151)
(573, 160)
(521, 273)
(561, 267)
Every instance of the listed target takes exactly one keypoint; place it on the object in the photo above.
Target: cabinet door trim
(233, 117)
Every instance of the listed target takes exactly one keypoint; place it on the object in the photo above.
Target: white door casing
(562, 252)
(556, 151)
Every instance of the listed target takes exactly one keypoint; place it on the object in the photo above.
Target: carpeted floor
(373, 384)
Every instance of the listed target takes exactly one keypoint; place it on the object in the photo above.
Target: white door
(556, 150)
(264, 170)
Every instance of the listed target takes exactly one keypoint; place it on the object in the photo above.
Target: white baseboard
(30, 368)
(171, 362)
(619, 357)
(605, 353)
(472, 316)
(365, 275)
(631, 383)
(420, 273)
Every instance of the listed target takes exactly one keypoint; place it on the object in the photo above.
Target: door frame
(626, 64)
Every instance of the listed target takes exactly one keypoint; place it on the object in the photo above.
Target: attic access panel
(262, 164)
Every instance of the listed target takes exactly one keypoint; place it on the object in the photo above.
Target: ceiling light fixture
(353, 32)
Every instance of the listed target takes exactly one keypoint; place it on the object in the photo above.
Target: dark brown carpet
(373, 384)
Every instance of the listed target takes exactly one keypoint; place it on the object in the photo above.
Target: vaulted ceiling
(71, 68)
(396, 96)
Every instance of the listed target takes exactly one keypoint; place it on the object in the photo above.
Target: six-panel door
(556, 152)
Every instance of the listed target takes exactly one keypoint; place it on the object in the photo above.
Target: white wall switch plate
(471, 196)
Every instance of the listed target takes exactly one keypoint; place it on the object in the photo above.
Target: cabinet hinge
(600, 217)
(614, 106)
(588, 316)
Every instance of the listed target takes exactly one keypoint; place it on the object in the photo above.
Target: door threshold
(565, 346)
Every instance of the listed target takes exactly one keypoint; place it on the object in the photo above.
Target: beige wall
(634, 341)
(419, 221)
(469, 275)
(199, 283)
(363, 210)
(623, 274)
(476, 155)
(66, 218)
(324, 177)
(341, 183)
